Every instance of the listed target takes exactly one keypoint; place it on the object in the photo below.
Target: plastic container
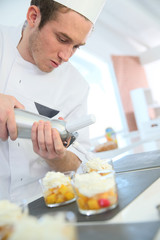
(110, 135)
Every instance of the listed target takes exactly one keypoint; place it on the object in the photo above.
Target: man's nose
(65, 54)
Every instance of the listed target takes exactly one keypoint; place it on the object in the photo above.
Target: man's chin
(46, 69)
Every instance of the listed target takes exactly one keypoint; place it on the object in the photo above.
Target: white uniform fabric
(63, 90)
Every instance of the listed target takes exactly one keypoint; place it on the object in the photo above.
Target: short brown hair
(48, 10)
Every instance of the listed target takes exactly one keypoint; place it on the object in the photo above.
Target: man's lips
(54, 64)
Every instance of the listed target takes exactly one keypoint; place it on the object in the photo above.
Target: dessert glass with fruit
(10, 214)
(57, 188)
(47, 227)
(95, 192)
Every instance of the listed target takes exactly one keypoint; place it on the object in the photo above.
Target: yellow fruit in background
(63, 189)
(60, 199)
(59, 194)
(69, 195)
(51, 199)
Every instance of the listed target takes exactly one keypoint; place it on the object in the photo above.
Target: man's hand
(7, 117)
(47, 143)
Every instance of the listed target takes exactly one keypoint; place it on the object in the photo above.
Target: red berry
(104, 202)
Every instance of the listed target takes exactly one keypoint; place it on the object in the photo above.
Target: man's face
(57, 40)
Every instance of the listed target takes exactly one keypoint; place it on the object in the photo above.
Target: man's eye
(62, 40)
(76, 47)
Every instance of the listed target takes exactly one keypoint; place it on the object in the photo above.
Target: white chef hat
(88, 8)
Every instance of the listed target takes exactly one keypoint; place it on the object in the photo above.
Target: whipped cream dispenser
(67, 130)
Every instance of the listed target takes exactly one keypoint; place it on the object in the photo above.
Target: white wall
(150, 60)
(13, 12)
(153, 76)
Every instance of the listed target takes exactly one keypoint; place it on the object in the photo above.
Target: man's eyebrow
(70, 39)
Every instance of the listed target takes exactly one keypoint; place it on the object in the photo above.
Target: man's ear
(33, 16)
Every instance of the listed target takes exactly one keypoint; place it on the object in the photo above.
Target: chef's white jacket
(62, 92)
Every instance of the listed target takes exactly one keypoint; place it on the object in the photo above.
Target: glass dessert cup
(97, 164)
(10, 213)
(97, 201)
(60, 225)
(60, 194)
